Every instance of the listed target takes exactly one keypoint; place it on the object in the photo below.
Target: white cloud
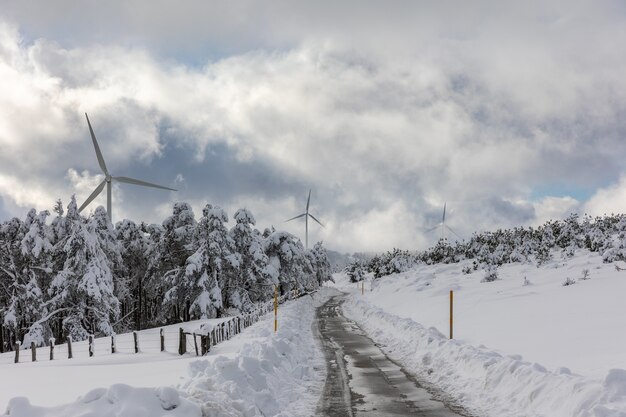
(384, 124)
(607, 200)
(553, 208)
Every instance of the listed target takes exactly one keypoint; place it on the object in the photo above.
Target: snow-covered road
(361, 379)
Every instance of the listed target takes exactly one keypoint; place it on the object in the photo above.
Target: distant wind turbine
(444, 226)
(306, 216)
(108, 178)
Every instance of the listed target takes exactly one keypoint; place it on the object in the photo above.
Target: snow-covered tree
(210, 276)
(177, 243)
(253, 281)
(84, 289)
(130, 292)
(321, 264)
(288, 262)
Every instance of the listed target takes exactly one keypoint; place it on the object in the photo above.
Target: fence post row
(222, 331)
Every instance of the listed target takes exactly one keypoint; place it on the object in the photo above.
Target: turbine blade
(310, 215)
(433, 228)
(455, 233)
(443, 219)
(93, 195)
(308, 200)
(103, 166)
(297, 217)
(143, 183)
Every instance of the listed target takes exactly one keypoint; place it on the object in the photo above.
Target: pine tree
(177, 243)
(253, 281)
(321, 264)
(84, 288)
(134, 246)
(210, 276)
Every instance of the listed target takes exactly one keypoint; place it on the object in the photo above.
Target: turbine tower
(306, 216)
(444, 226)
(108, 178)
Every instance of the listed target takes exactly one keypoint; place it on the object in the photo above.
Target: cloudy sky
(511, 112)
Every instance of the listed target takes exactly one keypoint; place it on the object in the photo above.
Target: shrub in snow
(35, 334)
(569, 281)
(491, 274)
(585, 274)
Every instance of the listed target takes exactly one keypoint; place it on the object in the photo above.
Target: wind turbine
(108, 178)
(306, 216)
(444, 226)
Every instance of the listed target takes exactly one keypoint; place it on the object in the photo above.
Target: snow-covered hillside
(523, 343)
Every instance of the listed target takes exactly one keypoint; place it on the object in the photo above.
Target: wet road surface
(361, 380)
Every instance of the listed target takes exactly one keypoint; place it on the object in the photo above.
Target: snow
(255, 373)
(542, 349)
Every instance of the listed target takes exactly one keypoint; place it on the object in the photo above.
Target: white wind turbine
(444, 226)
(306, 216)
(109, 178)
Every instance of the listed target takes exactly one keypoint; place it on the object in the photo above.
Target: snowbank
(255, 373)
(276, 375)
(485, 381)
(118, 400)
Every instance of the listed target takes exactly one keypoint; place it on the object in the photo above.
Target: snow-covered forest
(75, 276)
(489, 250)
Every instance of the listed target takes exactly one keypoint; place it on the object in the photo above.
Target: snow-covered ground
(541, 349)
(254, 373)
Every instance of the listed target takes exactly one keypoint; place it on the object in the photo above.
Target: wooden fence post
(91, 345)
(451, 313)
(136, 340)
(69, 347)
(33, 351)
(17, 351)
(51, 341)
(113, 347)
(162, 335)
(182, 348)
(195, 343)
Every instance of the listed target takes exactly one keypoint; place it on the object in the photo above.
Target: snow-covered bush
(569, 281)
(585, 274)
(491, 274)
(35, 334)
(355, 271)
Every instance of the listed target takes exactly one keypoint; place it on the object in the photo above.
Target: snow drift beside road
(546, 322)
(255, 373)
(485, 381)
